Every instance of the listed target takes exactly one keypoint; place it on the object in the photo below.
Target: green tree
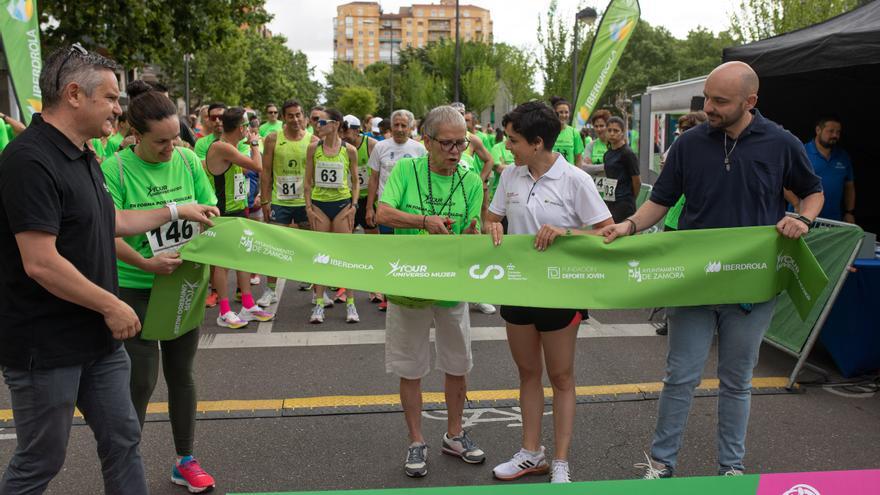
(342, 75)
(479, 86)
(420, 91)
(760, 19)
(554, 38)
(517, 72)
(135, 33)
(275, 73)
(357, 100)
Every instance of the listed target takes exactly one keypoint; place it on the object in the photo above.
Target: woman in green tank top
(331, 197)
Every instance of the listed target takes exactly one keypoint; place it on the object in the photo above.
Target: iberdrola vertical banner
(20, 29)
(615, 30)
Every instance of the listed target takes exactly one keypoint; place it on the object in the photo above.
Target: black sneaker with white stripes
(523, 462)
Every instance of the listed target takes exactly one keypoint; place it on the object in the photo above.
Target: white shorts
(407, 340)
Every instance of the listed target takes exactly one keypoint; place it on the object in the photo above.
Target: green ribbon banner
(685, 268)
(19, 26)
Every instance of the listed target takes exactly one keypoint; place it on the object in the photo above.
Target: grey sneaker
(653, 469)
(559, 472)
(317, 314)
(416, 460)
(729, 471)
(462, 446)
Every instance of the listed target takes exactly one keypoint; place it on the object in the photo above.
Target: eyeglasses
(74, 48)
(448, 144)
(323, 122)
(272, 113)
(215, 117)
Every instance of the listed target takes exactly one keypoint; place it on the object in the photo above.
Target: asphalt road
(814, 429)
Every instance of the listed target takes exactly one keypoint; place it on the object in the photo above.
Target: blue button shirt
(835, 172)
(766, 159)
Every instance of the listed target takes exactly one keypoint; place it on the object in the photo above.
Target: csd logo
(497, 269)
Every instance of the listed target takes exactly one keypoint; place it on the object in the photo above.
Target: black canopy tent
(832, 67)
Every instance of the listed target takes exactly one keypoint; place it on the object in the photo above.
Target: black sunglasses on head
(74, 48)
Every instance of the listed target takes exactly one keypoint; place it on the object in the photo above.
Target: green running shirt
(289, 170)
(138, 185)
(331, 175)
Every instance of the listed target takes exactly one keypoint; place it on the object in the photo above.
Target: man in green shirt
(272, 123)
(213, 130)
(432, 195)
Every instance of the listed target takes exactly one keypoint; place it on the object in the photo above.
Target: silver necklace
(728, 153)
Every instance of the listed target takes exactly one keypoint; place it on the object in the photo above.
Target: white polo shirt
(565, 197)
(385, 155)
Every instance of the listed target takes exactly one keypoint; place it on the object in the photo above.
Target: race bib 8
(289, 187)
(329, 175)
(171, 236)
(607, 188)
(239, 192)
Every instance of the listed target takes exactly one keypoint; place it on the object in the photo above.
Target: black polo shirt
(767, 158)
(48, 184)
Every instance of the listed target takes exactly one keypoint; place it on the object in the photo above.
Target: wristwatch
(255, 142)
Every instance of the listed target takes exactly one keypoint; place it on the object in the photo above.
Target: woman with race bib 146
(151, 174)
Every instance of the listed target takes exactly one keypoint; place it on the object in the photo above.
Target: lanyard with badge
(446, 204)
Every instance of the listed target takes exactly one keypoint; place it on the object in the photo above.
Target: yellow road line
(427, 397)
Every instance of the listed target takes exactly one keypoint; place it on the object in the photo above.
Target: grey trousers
(43, 402)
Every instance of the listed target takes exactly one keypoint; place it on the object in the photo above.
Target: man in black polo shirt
(60, 340)
(732, 169)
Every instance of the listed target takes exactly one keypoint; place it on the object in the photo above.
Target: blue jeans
(691, 331)
(43, 401)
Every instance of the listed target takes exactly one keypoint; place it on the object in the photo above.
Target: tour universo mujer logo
(404, 270)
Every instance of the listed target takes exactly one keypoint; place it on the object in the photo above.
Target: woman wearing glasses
(544, 196)
(331, 197)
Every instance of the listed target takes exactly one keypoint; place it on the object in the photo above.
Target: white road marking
(592, 329)
(7, 436)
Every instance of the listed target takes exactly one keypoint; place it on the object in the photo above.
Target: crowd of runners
(96, 201)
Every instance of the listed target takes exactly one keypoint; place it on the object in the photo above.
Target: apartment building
(363, 34)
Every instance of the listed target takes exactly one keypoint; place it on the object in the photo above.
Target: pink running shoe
(190, 474)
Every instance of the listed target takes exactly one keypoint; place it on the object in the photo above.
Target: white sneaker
(255, 280)
(317, 314)
(653, 469)
(230, 320)
(267, 299)
(351, 314)
(522, 463)
(255, 314)
(328, 301)
(559, 473)
(486, 309)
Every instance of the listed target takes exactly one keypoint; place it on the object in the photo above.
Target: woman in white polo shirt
(545, 196)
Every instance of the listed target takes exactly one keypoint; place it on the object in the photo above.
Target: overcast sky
(308, 24)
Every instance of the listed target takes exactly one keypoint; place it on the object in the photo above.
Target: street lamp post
(390, 27)
(457, 56)
(187, 58)
(588, 15)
